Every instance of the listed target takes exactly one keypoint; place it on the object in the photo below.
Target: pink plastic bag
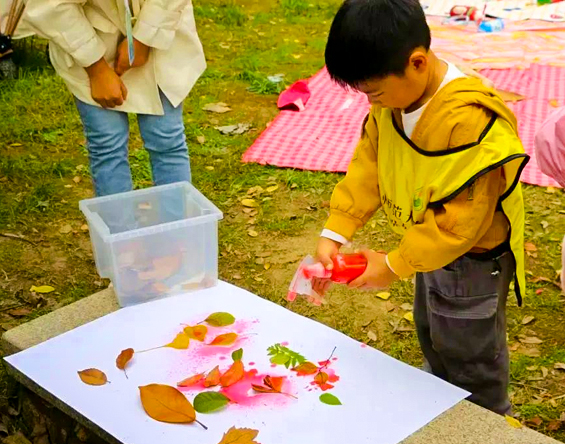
(550, 153)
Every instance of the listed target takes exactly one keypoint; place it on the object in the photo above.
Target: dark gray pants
(460, 316)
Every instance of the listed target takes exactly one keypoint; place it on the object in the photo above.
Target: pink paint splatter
(222, 358)
(363, 345)
(334, 359)
(285, 344)
(273, 365)
(251, 364)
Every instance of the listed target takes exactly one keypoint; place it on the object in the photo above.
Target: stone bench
(465, 423)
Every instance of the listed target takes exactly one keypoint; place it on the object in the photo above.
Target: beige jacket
(83, 31)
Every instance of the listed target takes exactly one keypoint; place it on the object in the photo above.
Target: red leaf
(275, 383)
(193, 380)
(213, 378)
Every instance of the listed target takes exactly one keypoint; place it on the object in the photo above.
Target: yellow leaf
(249, 203)
(554, 103)
(42, 289)
(384, 295)
(527, 320)
(252, 233)
(267, 266)
(272, 189)
(197, 332)
(372, 335)
(239, 436)
(166, 404)
(93, 376)
(181, 342)
(409, 317)
(210, 168)
(513, 422)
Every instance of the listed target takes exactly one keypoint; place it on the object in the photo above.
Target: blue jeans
(107, 136)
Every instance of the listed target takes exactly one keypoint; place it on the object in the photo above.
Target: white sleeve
(329, 234)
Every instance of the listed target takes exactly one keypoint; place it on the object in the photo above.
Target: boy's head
(381, 47)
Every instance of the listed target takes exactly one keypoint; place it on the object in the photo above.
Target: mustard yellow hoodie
(459, 114)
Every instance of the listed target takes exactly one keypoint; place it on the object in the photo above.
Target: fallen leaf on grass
(20, 312)
(384, 295)
(407, 307)
(249, 203)
(77, 179)
(84, 227)
(531, 352)
(372, 335)
(93, 376)
(272, 189)
(193, 380)
(409, 317)
(530, 340)
(65, 229)
(513, 422)
(198, 332)
(220, 319)
(328, 398)
(252, 233)
(201, 140)
(209, 402)
(305, 369)
(555, 425)
(166, 404)
(527, 320)
(528, 246)
(239, 436)
(544, 372)
(536, 421)
(43, 289)
(219, 108)
(559, 366)
(213, 378)
(224, 340)
(123, 359)
(238, 129)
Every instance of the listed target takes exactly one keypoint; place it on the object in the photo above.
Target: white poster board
(384, 400)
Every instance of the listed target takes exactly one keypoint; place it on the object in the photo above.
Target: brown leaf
(527, 320)
(252, 233)
(559, 366)
(407, 307)
(19, 312)
(123, 358)
(553, 426)
(213, 378)
(530, 247)
(166, 404)
(372, 335)
(198, 332)
(77, 179)
(321, 378)
(93, 376)
(239, 436)
(305, 369)
(532, 352)
(224, 340)
(544, 372)
(84, 227)
(530, 340)
(193, 380)
(233, 375)
(65, 229)
(534, 422)
(219, 108)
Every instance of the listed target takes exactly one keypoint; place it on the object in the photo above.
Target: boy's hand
(326, 251)
(377, 275)
(122, 58)
(106, 88)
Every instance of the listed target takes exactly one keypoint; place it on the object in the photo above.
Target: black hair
(374, 39)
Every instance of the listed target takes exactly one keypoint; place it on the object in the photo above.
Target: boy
(440, 154)
(89, 50)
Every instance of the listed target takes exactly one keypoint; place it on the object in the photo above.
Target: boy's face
(400, 91)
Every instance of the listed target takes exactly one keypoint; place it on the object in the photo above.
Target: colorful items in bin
(346, 268)
(494, 25)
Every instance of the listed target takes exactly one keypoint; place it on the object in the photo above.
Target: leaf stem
(200, 424)
(325, 366)
(151, 349)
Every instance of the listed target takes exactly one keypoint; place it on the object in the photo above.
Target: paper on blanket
(384, 400)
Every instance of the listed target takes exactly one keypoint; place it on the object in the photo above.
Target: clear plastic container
(155, 242)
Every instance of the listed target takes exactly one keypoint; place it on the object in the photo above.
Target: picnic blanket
(324, 135)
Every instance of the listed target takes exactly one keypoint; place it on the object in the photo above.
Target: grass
(44, 173)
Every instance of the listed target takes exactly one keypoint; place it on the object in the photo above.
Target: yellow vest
(412, 180)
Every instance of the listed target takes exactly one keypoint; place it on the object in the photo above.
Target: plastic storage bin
(155, 242)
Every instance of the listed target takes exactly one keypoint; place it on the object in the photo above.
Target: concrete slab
(465, 423)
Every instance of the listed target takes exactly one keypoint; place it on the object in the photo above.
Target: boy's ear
(418, 61)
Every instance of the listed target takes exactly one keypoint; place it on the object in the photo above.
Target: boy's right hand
(107, 89)
(326, 251)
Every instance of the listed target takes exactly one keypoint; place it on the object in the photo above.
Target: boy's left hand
(122, 58)
(377, 275)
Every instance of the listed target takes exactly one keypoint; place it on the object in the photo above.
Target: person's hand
(327, 249)
(377, 275)
(106, 87)
(141, 51)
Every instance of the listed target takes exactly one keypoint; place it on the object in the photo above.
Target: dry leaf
(239, 436)
(306, 368)
(252, 233)
(213, 378)
(544, 372)
(233, 375)
(559, 366)
(201, 140)
(532, 352)
(19, 312)
(93, 376)
(530, 340)
(123, 358)
(384, 295)
(84, 227)
(224, 340)
(528, 246)
(407, 307)
(267, 266)
(43, 289)
(249, 203)
(272, 189)
(321, 378)
(409, 317)
(372, 335)
(219, 108)
(238, 129)
(166, 404)
(554, 103)
(553, 426)
(181, 342)
(198, 332)
(65, 229)
(513, 422)
(527, 320)
(272, 385)
(536, 421)
(76, 179)
(193, 380)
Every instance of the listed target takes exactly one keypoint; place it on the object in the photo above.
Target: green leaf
(326, 398)
(280, 359)
(237, 355)
(220, 319)
(208, 402)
